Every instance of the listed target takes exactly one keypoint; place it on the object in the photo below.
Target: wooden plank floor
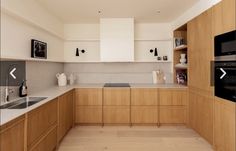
(110, 138)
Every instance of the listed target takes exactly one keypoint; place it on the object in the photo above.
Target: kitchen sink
(22, 103)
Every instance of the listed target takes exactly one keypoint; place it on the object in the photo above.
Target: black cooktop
(116, 85)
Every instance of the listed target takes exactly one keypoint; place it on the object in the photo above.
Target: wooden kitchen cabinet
(224, 125)
(144, 105)
(116, 105)
(116, 114)
(89, 114)
(144, 96)
(89, 103)
(116, 96)
(173, 106)
(172, 114)
(201, 113)
(173, 96)
(88, 96)
(40, 121)
(200, 51)
(224, 17)
(65, 110)
(144, 115)
(12, 135)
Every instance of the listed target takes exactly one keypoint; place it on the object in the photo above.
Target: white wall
(16, 38)
(192, 12)
(33, 12)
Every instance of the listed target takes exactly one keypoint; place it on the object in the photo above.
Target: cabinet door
(12, 135)
(116, 96)
(144, 114)
(224, 17)
(40, 121)
(144, 96)
(89, 96)
(200, 47)
(224, 125)
(165, 97)
(172, 114)
(179, 97)
(116, 114)
(65, 122)
(88, 114)
(48, 143)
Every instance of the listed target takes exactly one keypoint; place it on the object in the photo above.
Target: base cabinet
(224, 125)
(12, 135)
(144, 115)
(89, 114)
(65, 111)
(172, 115)
(40, 122)
(116, 114)
(88, 103)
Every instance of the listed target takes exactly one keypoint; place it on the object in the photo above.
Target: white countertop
(54, 92)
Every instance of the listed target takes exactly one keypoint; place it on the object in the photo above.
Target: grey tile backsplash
(117, 72)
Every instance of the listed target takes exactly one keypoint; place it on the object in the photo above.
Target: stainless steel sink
(22, 103)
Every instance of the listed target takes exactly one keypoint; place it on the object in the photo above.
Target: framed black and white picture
(38, 49)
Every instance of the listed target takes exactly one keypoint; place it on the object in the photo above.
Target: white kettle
(62, 81)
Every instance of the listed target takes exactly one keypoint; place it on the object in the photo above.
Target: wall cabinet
(224, 17)
(172, 106)
(88, 105)
(116, 107)
(65, 110)
(41, 122)
(12, 135)
(144, 105)
(224, 125)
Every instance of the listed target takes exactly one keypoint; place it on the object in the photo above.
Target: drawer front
(179, 97)
(88, 114)
(143, 115)
(116, 96)
(12, 136)
(165, 96)
(144, 96)
(48, 143)
(89, 96)
(172, 115)
(40, 120)
(116, 114)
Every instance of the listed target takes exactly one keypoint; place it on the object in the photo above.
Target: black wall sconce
(154, 51)
(77, 51)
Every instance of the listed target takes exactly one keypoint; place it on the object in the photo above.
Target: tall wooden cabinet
(65, 114)
(88, 108)
(12, 135)
(200, 44)
(144, 105)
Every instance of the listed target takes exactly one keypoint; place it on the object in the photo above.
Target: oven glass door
(225, 44)
(225, 80)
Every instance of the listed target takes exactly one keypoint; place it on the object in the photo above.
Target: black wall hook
(77, 51)
(155, 51)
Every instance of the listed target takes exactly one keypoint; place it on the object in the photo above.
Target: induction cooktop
(116, 85)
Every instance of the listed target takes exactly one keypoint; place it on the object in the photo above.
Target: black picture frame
(38, 49)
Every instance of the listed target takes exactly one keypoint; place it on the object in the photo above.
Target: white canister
(61, 79)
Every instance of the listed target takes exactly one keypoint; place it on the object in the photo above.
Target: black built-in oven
(225, 80)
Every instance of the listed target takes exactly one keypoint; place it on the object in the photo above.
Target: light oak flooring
(151, 138)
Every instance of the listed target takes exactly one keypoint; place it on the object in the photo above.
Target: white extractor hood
(117, 39)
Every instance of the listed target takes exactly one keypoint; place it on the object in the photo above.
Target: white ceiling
(86, 11)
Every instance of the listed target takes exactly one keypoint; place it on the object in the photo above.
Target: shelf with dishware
(180, 55)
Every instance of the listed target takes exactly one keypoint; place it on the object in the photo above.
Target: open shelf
(182, 47)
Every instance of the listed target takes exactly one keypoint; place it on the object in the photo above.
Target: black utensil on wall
(155, 52)
(77, 52)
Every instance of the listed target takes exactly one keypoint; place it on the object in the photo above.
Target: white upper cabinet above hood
(117, 39)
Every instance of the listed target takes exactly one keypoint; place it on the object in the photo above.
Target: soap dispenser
(23, 89)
